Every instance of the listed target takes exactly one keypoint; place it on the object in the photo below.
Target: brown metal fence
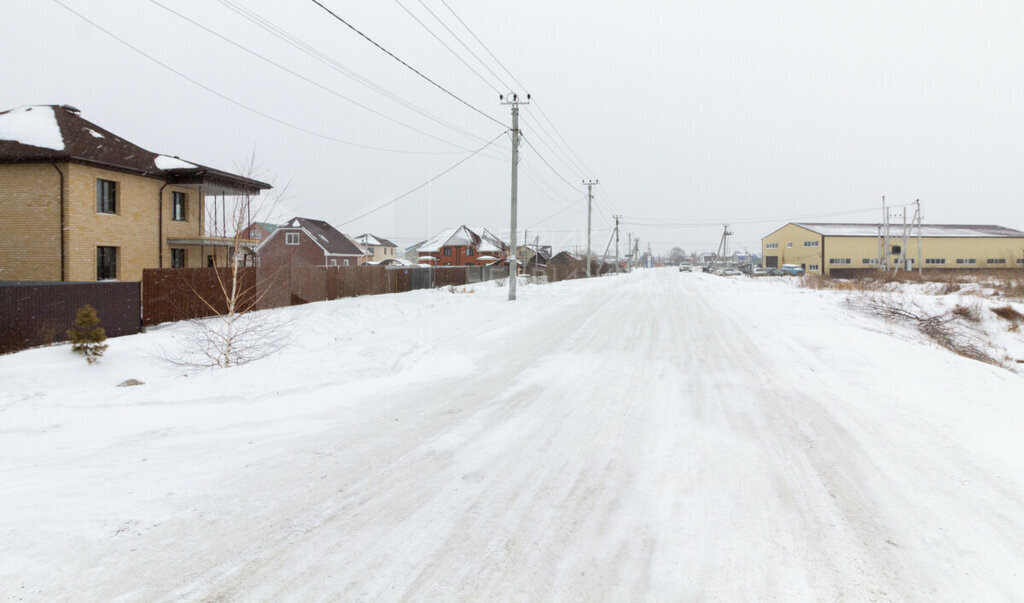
(171, 294)
(33, 314)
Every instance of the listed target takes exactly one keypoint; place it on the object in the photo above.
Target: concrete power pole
(617, 243)
(590, 199)
(513, 99)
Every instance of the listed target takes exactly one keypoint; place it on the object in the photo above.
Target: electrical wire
(413, 190)
(551, 167)
(652, 224)
(464, 45)
(449, 48)
(407, 65)
(239, 103)
(304, 78)
(557, 213)
(300, 45)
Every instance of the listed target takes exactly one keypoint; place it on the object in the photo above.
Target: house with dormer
(308, 242)
(464, 246)
(80, 203)
(378, 249)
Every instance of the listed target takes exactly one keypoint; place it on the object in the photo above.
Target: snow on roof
(927, 230)
(94, 133)
(369, 239)
(34, 126)
(172, 163)
(482, 238)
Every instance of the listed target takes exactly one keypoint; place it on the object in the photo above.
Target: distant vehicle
(759, 272)
(775, 272)
(731, 272)
(792, 270)
(685, 267)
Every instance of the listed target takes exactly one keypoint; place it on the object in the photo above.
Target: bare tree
(234, 333)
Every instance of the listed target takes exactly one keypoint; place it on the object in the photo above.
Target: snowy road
(651, 436)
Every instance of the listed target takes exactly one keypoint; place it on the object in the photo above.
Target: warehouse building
(849, 249)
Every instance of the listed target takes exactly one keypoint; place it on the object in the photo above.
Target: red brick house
(307, 242)
(464, 246)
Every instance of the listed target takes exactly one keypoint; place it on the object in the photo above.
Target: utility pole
(629, 253)
(513, 99)
(616, 243)
(590, 199)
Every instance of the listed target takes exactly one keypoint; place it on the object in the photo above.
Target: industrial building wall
(793, 244)
(940, 253)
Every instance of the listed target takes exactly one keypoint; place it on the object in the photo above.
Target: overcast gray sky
(687, 112)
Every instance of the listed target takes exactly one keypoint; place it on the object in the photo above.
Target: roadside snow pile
(978, 319)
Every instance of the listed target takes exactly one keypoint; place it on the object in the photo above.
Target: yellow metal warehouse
(839, 249)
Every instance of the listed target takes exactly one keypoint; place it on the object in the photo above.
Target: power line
(557, 213)
(551, 167)
(484, 46)
(341, 68)
(649, 223)
(449, 48)
(304, 78)
(239, 103)
(468, 49)
(413, 190)
(407, 65)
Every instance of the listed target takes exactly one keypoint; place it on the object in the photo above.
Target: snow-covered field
(649, 436)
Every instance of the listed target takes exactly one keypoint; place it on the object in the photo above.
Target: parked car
(775, 272)
(759, 272)
(685, 267)
(792, 270)
(731, 272)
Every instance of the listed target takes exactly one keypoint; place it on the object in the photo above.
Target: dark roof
(381, 240)
(326, 236)
(70, 137)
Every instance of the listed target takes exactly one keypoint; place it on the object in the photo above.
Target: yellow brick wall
(29, 222)
(981, 249)
(134, 229)
(858, 249)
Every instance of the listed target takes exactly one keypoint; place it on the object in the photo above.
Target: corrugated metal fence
(34, 314)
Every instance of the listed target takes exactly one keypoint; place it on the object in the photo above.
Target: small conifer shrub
(87, 336)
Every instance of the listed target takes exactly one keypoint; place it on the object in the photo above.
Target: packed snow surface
(653, 436)
(35, 126)
(172, 163)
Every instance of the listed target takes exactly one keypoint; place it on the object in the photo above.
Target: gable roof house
(80, 203)
(308, 242)
(464, 246)
(377, 248)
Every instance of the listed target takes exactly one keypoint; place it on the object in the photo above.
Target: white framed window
(839, 260)
(812, 266)
(935, 260)
(255, 233)
(344, 262)
(334, 262)
(789, 244)
(995, 261)
(966, 261)
(291, 238)
(771, 246)
(872, 261)
(1020, 260)
(810, 243)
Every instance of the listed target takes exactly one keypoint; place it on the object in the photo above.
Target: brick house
(464, 246)
(257, 231)
(378, 248)
(307, 242)
(79, 203)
